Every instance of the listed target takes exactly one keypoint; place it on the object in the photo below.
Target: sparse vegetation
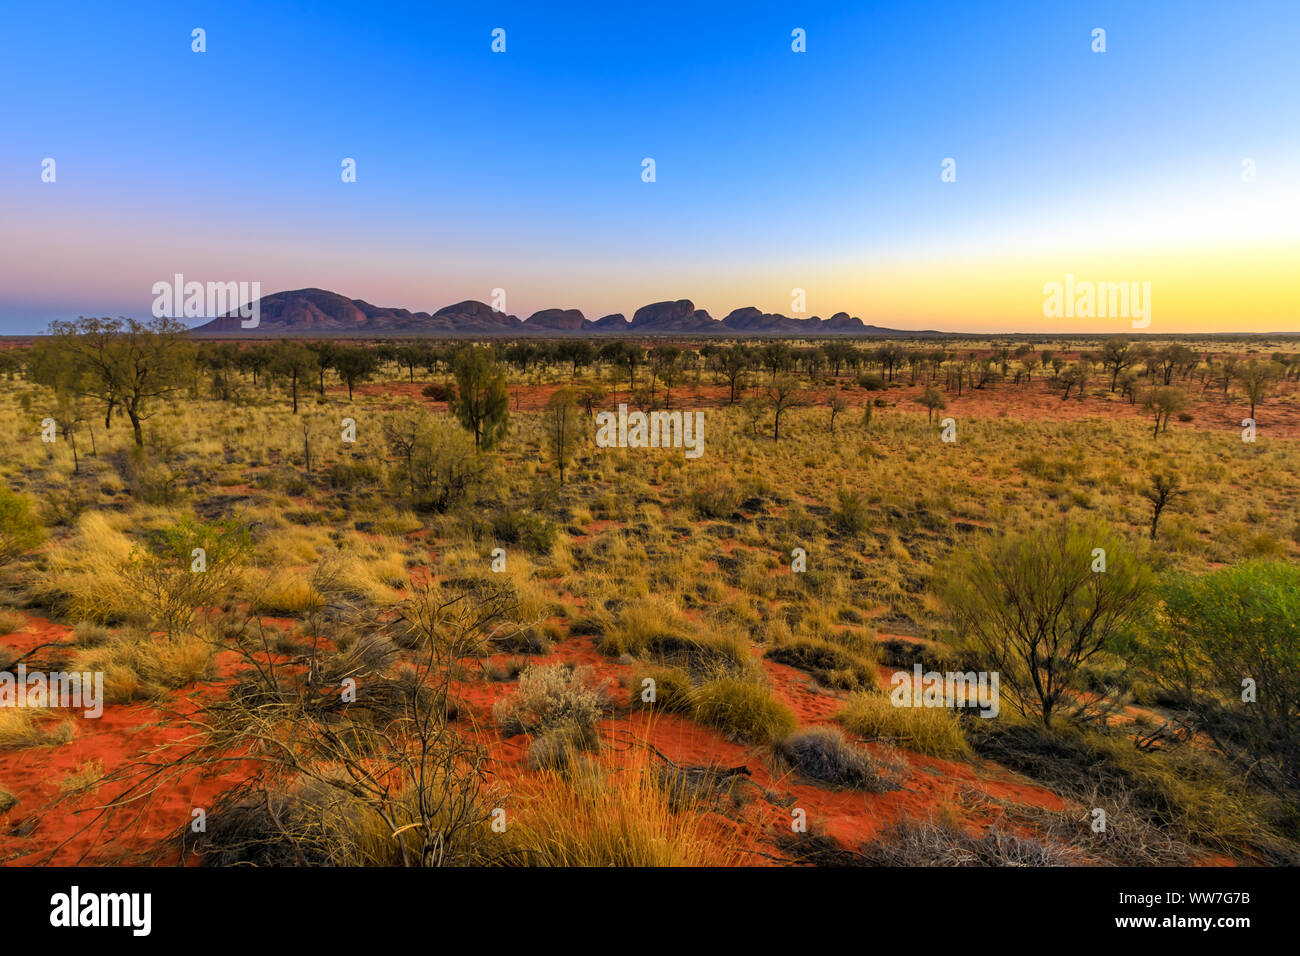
(376, 562)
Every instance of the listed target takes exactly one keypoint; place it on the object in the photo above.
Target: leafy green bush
(1036, 606)
(20, 530)
(1232, 634)
(527, 528)
(352, 474)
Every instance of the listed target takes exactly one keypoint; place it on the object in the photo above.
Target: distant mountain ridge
(322, 311)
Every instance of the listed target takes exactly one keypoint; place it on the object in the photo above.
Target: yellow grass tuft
(929, 730)
(631, 816)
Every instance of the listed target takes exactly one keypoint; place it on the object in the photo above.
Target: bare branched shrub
(825, 755)
(352, 756)
(925, 843)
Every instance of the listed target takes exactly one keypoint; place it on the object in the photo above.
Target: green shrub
(713, 499)
(345, 474)
(1222, 628)
(743, 710)
(526, 528)
(20, 531)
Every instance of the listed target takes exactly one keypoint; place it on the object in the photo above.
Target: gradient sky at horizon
(775, 170)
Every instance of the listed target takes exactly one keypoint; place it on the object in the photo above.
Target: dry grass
(11, 622)
(137, 666)
(286, 594)
(29, 727)
(82, 579)
(85, 777)
(629, 816)
(646, 557)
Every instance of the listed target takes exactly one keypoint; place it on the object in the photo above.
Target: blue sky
(522, 170)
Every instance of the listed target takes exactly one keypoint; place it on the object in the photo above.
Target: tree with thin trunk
(933, 400)
(1116, 355)
(125, 363)
(355, 365)
(1256, 379)
(1035, 608)
(295, 363)
(68, 418)
(782, 395)
(1161, 491)
(562, 427)
(1076, 376)
(325, 355)
(591, 395)
(837, 403)
(734, 363)
(482, 403)
(1163, 402)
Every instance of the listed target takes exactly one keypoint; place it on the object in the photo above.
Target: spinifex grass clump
(629, 815)
(935, 731)
(743, 709)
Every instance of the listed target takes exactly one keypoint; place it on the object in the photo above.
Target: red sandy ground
(124, 732)
(36, 829)
(29, 833)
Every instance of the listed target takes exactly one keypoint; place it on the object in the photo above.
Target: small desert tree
(592, 394)
(782, 395)
(1163, 402)
(1116, 355)
(933, 401)
(562, 427)
(734, 363)
(354, 365)
(482, 403)
(125, 363)
(1035, 607)
(1075, 377)
(69, 418)
(836, 403)
(295, 363)
(1161, 490)
(1256, 379)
